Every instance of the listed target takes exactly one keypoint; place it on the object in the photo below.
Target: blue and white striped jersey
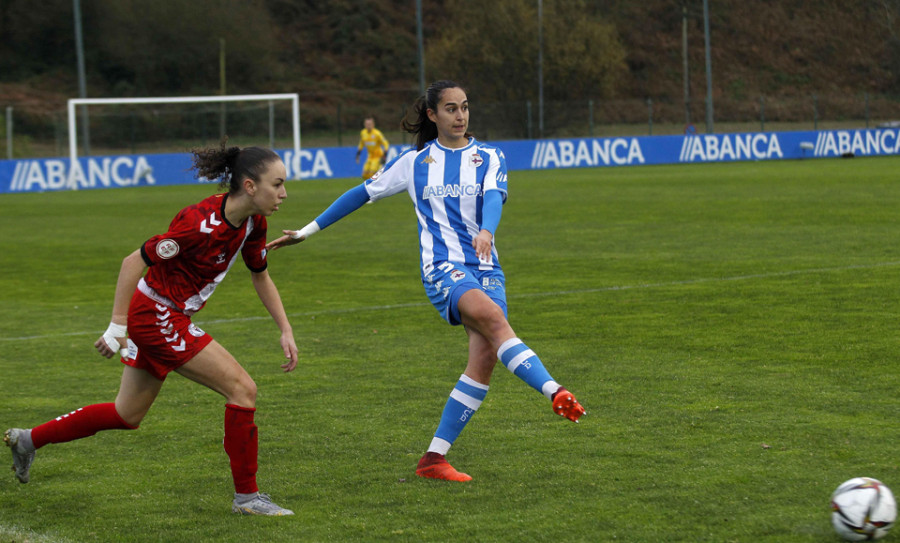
(447, 187)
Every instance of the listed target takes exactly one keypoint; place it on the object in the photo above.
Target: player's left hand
(482, 244)
(290, 351)
(285, 240)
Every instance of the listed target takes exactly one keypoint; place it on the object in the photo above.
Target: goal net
(109, 126)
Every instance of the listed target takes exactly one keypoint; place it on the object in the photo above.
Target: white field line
(614, 288)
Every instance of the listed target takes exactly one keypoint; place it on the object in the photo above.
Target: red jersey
(188, 262)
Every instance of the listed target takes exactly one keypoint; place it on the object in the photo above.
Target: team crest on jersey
(476, 160)
(429, 160)
(456, 275)
(167, 248)
(195, 330)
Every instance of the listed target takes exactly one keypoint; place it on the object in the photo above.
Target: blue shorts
(448, 281)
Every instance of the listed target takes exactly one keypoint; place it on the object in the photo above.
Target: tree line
(589, 48)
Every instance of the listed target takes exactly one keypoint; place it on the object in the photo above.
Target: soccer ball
(863, 509)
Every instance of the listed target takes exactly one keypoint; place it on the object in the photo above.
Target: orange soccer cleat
(435, 466)
(565, 405)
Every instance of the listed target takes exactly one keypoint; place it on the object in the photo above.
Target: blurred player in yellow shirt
(376, 147)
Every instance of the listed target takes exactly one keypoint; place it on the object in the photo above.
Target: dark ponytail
(423, 127)
(231, 165)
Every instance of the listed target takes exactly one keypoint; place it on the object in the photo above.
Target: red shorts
(160, 339)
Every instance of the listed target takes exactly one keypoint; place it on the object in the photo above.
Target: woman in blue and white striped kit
(458, 186)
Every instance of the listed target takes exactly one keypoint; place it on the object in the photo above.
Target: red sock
(80, 423)
(242, 446)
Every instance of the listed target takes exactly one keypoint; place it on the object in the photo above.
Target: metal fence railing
(335, 120)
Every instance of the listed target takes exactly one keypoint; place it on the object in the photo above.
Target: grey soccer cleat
(19, 442)
(261, 504)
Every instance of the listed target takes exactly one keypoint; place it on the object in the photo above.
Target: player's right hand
(284, 241)
(483, 243)
(103, 347)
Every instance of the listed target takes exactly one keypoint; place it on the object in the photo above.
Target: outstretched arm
(270, 298)
(348, 202)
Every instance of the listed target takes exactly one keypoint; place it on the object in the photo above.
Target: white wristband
(306, 231)
(114, 331)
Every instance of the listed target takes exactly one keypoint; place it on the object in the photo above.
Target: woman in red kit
(151, 319)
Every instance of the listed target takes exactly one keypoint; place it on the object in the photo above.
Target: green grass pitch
(731, 329)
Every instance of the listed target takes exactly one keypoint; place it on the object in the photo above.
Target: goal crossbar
(73, 102)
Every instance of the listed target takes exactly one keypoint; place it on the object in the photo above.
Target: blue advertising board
(54, 174)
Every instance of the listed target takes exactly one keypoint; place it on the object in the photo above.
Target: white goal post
(73, 102)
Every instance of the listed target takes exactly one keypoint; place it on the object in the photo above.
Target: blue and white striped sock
(464, 400)
(526, 365)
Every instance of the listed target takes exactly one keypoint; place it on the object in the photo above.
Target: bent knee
(492, 321)
(131, 424)
(130, 420)
(244, 392)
